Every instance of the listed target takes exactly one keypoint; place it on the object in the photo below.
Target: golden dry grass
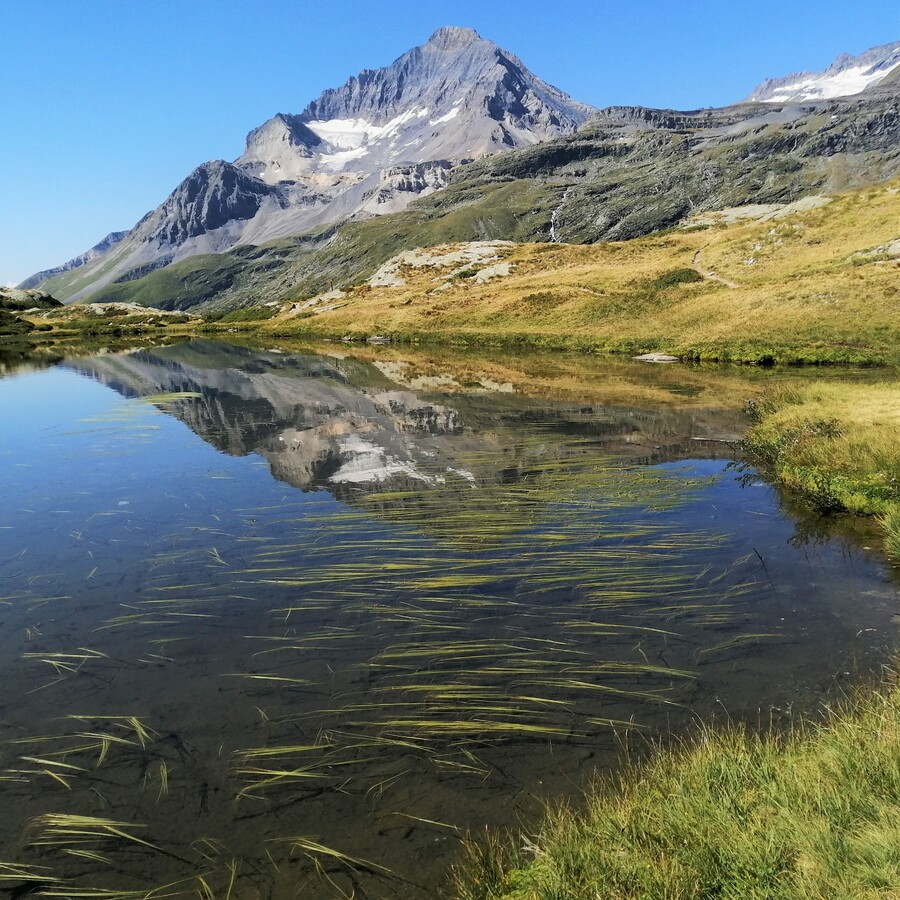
(816, 285)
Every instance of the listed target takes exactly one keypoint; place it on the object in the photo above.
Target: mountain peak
(455, 75)
(451, 37)
(368, 147)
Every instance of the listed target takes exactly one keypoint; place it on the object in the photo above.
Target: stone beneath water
(657, 358)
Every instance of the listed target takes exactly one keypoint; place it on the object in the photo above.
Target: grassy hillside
(66, 284)
(816, 285)
(178, 286)
(308, 264)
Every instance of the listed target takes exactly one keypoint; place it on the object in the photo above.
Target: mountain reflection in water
(324, 422)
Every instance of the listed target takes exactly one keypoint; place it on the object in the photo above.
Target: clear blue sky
(107, 104)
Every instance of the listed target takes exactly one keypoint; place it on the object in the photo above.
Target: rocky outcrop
(17, 299)
(213, 195)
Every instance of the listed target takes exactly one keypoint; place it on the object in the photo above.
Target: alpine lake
(287, 622)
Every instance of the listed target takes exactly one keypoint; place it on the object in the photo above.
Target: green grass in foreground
(838, 445)
(815, 814)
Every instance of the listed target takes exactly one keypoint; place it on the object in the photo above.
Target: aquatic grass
(17, 872)
(62, 829)
(315, 849)
(132, 724)
(68, 662)
(179, 888)
(737, 641)
(71, 757)
(163, 778)
(372, 651)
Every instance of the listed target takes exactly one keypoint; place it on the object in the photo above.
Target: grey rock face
(213, 195)
(461, 79)
(368, 147)
(631, 172)
(846, 76)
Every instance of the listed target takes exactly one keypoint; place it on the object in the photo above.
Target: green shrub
(674, 277)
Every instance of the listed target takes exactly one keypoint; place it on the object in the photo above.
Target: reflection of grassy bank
(838, 444)
(813, 815)
(587, 377)
(48, 348)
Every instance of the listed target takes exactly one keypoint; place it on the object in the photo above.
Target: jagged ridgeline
(321, 199)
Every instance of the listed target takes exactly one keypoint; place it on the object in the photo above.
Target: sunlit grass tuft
(733, 814)
(838, 445)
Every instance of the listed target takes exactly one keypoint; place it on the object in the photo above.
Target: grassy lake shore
(838, 445)
(812, 814)
(734, 814)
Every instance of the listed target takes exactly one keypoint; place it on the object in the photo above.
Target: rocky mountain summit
(368, 147)
(846, 76)
(455, 97)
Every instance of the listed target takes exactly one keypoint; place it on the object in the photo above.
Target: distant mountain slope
(96, 251)
(629, 172)
(368, 147)
(846, 76)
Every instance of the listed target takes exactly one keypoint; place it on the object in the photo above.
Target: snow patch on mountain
(846, 76)
(351, 134)
(446, 117)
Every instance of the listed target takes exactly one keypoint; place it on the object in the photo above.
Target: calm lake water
(278, 624)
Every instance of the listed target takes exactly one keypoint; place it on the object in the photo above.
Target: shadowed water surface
(282, 624)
